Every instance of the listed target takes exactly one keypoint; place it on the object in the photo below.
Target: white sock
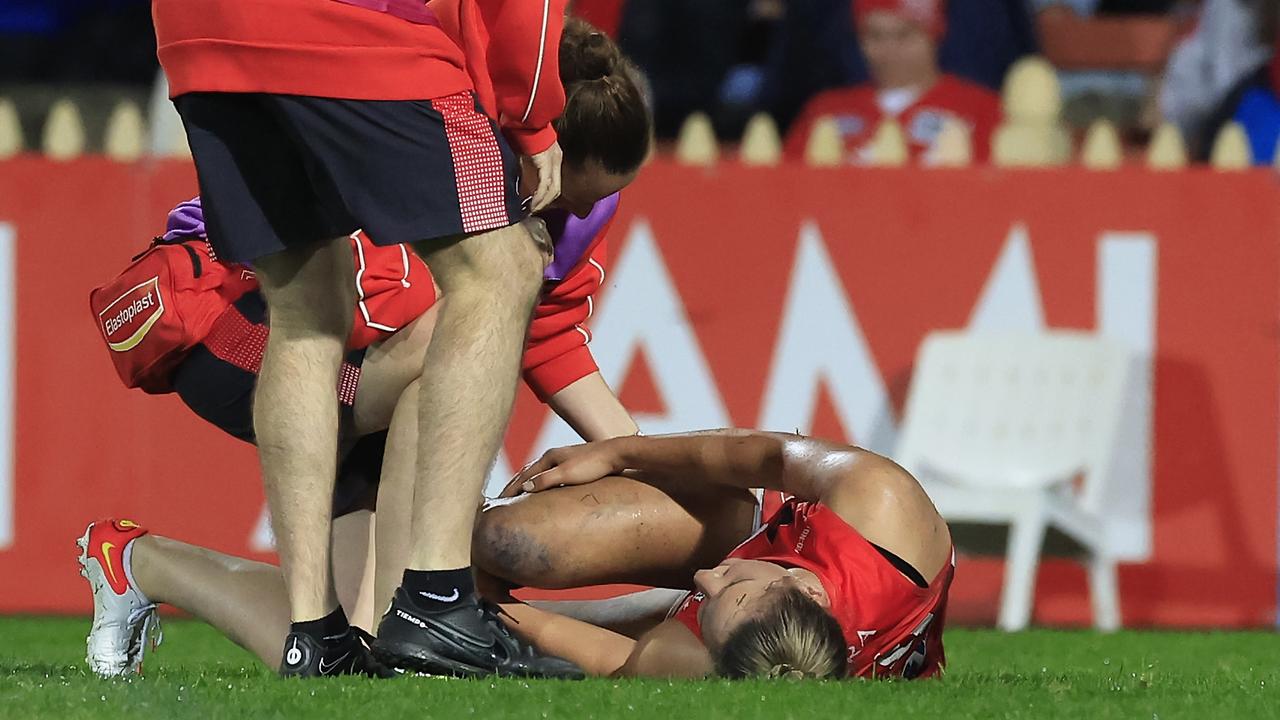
(127, 561)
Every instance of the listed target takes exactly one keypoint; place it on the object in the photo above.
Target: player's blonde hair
(794, 638)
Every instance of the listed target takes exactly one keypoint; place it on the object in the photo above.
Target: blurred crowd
(77, 41)
(1195, 63)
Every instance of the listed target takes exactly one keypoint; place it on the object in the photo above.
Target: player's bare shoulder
(888, 506)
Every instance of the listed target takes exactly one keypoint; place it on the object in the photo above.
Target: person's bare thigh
(389, 366)
(615, 530)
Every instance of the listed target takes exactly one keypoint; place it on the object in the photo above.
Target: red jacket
(515, 72)
(333, 48)
(858, 115)
(556, 354)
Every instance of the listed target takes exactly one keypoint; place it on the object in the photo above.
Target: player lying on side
(848, 578)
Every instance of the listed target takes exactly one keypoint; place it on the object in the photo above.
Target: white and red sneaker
(124, 620)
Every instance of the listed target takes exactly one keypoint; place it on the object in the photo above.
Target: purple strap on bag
(185, 221)
(415, 11)
(572, 235)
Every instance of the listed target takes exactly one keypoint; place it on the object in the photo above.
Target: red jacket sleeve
(524, 66)
(557, 355)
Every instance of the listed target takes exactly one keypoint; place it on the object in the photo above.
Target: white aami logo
(821, 342)
(9, 295)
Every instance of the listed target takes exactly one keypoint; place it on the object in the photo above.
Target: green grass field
(197, 674)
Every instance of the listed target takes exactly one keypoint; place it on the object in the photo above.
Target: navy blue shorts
(279, 171)
(217, 380)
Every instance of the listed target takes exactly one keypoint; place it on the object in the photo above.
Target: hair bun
(586, 53)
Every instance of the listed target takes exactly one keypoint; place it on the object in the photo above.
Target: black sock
(326, 628)
(438, 589)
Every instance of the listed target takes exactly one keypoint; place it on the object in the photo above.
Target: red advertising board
(787, 298)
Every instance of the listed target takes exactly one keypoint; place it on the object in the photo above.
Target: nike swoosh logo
(106, 554)
(326, 668)
(442, 598)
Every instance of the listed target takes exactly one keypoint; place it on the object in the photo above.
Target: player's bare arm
(870, 492)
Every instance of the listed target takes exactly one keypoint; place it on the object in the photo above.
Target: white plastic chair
(997, 428)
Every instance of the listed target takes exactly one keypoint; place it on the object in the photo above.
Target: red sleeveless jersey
(893, 626)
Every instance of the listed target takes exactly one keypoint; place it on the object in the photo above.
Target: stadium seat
(1020, 430)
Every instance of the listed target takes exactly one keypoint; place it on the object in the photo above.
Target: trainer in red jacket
(341, 49)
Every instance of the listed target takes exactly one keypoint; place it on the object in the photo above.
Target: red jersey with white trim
(892, 625)
(368, 50)
(858, 115)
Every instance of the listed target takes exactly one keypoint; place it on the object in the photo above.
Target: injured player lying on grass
(849, 577)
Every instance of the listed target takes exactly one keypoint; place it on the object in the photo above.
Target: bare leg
(310, 295)
(615, 530)
(395, 497)
(353, 566)
(243, 599)
(631, 615)
(389, 367)
(468, 385)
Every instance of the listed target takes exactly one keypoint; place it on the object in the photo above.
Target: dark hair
(606, 117)
(794, 638)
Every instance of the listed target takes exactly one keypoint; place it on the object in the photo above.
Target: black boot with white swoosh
(463, 639)
(345, 654)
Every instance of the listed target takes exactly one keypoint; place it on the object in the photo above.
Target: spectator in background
(900, 41)
(1221, 72)
(1258, 112)
(816, 48)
